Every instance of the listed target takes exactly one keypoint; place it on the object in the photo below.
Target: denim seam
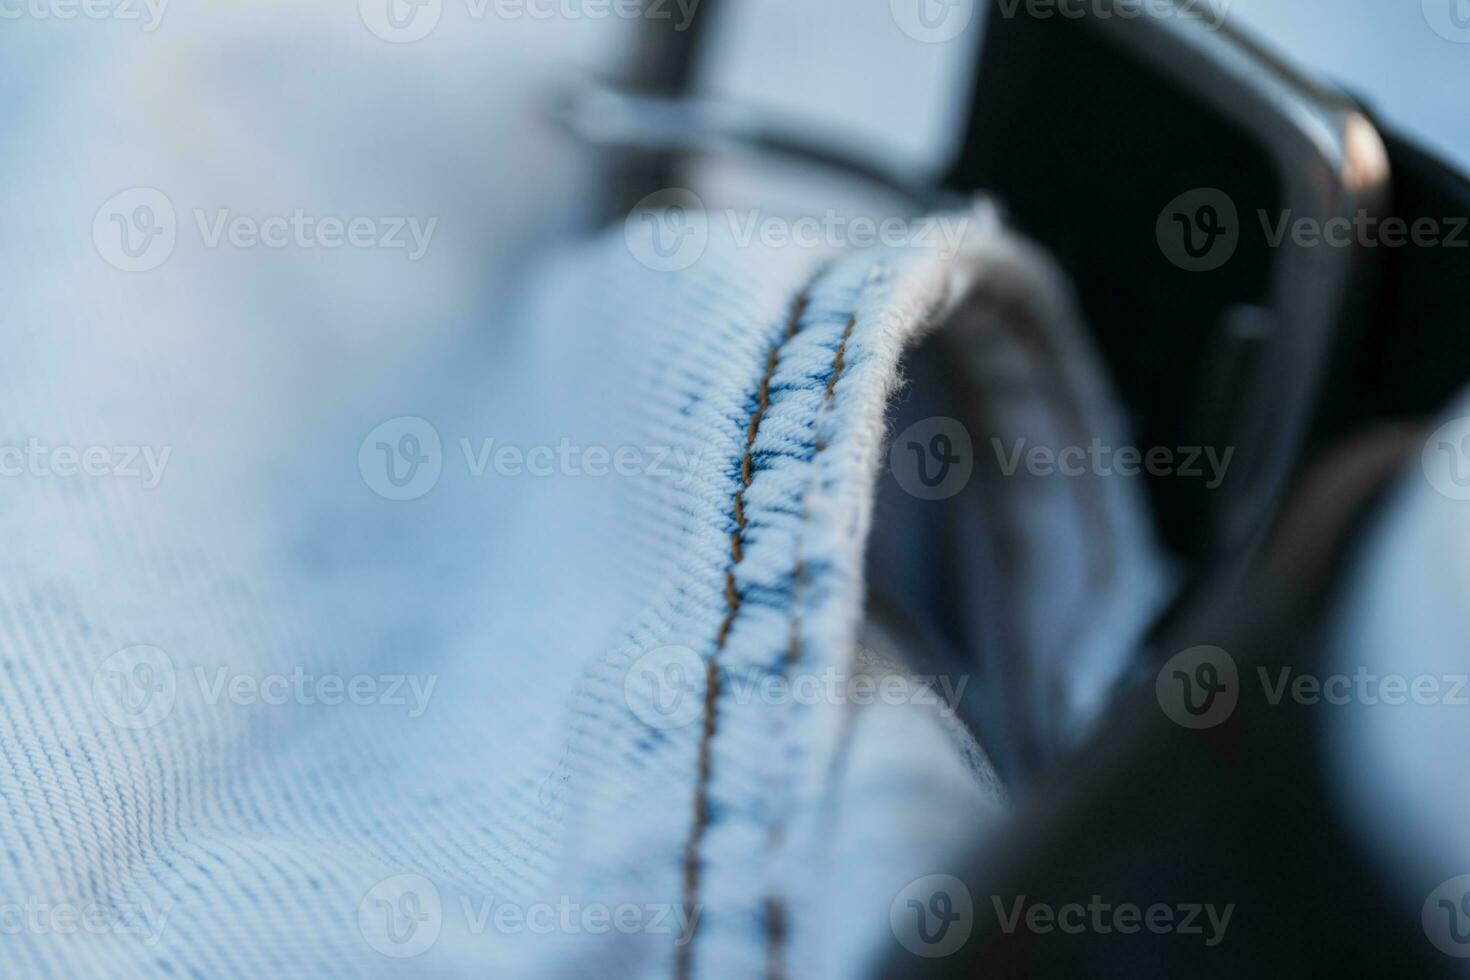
(776, 914)
(684, 958)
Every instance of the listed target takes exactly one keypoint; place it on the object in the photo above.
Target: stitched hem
(683, 961)
(776, 914)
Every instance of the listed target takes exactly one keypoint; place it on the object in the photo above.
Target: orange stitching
(684, 953)
(776, 917)
(840, 361)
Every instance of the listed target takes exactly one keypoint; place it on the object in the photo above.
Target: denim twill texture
(543, 772)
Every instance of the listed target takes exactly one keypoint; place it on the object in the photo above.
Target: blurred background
(232, 108)
(254, 105)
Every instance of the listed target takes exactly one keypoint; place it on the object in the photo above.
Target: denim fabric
(1036, 582)
(781, 361)
(554, 740)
